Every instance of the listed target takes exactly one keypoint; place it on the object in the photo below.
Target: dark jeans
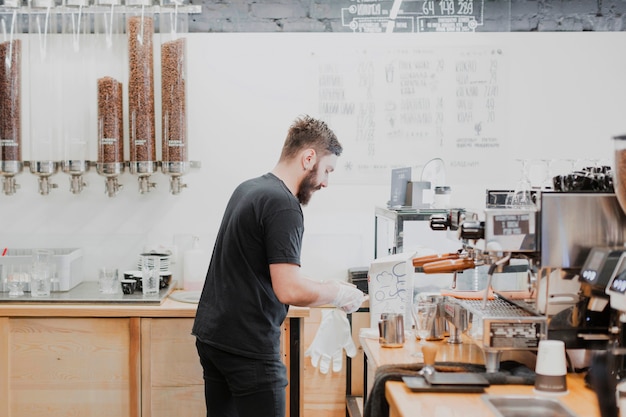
(236, 386)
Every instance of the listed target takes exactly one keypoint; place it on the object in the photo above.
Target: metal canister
(391, 330)
(440, 325)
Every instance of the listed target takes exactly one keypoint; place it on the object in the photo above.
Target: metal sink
(524, 406)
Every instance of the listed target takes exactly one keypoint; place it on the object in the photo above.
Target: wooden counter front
(103, 360)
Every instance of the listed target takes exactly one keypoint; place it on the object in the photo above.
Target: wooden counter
(113, 360)
(404, 403)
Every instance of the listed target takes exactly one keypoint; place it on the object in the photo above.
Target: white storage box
(68, 262)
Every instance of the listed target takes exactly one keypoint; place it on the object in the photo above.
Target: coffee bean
(110, 121)
(173, 105)
(140, 32)
(10, 98)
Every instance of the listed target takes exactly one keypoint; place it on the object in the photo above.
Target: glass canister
(10, 93)
(174, 25)
(78, 94)
(619, 170)
(141, 111)
(46, 90)
(110, 70)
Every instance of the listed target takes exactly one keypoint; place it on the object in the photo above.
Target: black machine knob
(472, 230)
(439, 222)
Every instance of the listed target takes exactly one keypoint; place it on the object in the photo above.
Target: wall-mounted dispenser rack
(91, 73)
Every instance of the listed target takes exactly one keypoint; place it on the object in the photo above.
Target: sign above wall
(387, 16)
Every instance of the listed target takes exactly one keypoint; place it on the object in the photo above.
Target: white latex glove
(332, 337)
(349, 298)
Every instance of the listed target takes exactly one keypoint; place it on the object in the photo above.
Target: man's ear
(309, 158)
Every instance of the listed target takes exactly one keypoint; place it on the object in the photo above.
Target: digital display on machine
(511, 224)
(616, 290)
(619, 283)
(592, 266)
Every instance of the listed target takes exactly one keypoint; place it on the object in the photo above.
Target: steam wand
(492, 268)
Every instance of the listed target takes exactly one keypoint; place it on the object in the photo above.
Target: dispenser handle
(421, 260)
(448, 265)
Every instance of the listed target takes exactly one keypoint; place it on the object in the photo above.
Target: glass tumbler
(150, 274)
(41, 273)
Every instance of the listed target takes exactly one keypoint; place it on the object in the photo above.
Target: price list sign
(379, 16)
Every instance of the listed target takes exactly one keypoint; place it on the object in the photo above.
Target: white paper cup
(551, 368)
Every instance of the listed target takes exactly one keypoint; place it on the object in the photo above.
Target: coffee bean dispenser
(45, 51)
(10, 95)
(110, 42)
(141, 113)
(174, 26)
(78, 52)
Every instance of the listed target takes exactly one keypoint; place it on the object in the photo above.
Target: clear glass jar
(10, 87)
(45, 79)
(140, 33)
(619, 170)
(110, 42)
(110, 72)
(174, 26)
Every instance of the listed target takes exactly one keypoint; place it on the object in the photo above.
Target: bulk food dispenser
(10, 94)
(141, 114)
(46, 88)
(110, 69)
(78, 95)
(174, 26)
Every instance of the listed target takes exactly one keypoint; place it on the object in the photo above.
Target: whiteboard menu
(404, 102)
(481, 102)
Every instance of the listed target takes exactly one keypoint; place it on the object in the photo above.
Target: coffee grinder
(588, 324)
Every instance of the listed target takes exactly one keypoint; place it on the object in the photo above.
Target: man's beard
(307, 187)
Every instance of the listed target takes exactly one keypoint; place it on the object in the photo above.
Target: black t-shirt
(238, 311)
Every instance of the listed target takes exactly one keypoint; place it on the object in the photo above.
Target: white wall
(563, 100)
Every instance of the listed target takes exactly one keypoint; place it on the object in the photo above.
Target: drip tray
(524, 406)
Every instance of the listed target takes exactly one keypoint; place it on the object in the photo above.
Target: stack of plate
(164, 261)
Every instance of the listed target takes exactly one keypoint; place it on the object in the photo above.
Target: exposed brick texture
(325, 15)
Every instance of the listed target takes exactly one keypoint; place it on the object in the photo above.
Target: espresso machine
(579, 235)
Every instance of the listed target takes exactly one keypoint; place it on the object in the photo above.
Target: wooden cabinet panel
(174, 359)
(77, 361)
(172, 381)
(68, 367)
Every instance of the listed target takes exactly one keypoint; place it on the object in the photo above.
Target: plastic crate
(68, 262)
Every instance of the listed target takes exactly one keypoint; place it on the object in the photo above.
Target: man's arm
(293, 288)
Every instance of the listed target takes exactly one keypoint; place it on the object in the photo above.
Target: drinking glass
(150, 271)
(16, 280)
(41, 273)
(521, 196)
(423, 318)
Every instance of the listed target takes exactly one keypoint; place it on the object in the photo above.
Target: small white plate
(192, 297)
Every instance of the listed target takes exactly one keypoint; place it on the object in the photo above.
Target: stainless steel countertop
(87, 292)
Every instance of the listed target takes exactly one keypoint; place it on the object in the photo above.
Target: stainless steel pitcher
(391, 328)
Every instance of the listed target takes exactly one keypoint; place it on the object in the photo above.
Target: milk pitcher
(391, 330)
